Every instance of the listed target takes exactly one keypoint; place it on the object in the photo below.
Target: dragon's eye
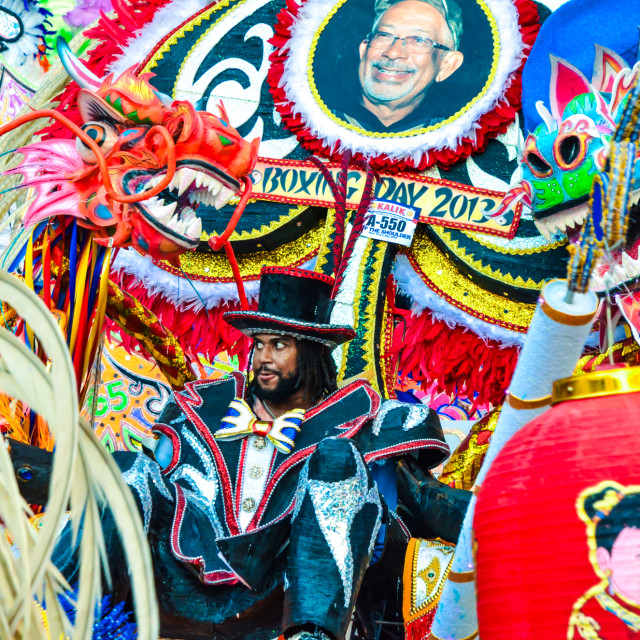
(103, 134)
(539, 167)
(569, 152)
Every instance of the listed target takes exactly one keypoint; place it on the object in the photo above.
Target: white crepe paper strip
(176, 289)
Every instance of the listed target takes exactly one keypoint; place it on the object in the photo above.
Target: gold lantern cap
(608, 382)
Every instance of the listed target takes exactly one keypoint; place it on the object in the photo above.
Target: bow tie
(241, 422)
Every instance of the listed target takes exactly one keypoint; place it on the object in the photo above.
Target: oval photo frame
(324, 68)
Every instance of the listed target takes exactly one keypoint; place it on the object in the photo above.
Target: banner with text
(441, 202)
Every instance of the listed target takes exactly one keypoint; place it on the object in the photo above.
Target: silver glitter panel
(336, 505)
(416, 415)
(204, 486)
(518, 244)
(137, 477)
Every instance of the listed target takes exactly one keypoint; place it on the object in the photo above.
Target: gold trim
(629, 352)
(441, 275)
(519, 404)
(411, 611)
(414, 132)
(460, 577)
(179, 33)
(325, 247)
(462, 468)
(473, 636)
(596, 384)
(480, 267)
(216, 268)
(565, 318)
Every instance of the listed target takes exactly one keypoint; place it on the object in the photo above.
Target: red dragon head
(140, 165)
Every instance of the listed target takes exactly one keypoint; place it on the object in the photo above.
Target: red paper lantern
(557, 522)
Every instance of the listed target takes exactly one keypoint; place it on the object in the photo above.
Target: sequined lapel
(341, 415)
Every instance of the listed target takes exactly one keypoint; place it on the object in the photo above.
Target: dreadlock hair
(317, 371)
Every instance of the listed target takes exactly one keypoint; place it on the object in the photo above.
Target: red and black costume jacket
(206, 474)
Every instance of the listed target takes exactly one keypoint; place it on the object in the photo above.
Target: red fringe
(489, 125)
(198, 332)
(447, 360)
(420, 628)
(113, 35)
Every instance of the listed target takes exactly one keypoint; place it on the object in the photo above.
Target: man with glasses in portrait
(412, 44)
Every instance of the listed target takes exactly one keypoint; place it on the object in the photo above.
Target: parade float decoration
(137, 171)
(562, 156)
(594, 593)
(290, 221)
(315, 91)
(463, 295)
(555, 341)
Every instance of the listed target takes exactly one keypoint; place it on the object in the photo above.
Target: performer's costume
(599, 615)
(258, 527)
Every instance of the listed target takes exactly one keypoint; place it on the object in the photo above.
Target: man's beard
(285, 388)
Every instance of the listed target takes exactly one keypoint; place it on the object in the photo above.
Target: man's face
(275, 366)
(395, 76)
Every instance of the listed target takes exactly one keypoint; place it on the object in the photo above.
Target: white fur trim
(164, 22)
(296, 85)
(176, 289)
(411, 285)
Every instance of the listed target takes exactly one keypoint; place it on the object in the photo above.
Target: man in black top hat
(262, 502)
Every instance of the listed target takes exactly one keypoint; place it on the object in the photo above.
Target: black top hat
(293, 302)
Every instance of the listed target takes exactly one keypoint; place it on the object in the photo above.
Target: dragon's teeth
(184, 181)
(163, 217)
(213, 186)
(225, 194)
(200, 178)
(163, 214)
(173, 223)
(171, 207)
(194, 228)
(541, 225)
(154, 181)
(188, 214)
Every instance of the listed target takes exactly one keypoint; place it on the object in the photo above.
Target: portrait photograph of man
(414, 67)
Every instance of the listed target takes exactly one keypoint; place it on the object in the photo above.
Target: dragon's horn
(76, 69)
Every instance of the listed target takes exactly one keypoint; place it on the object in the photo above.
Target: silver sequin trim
(137, 477)
(516, 244)
(204, 486)
(336, 505)
(416, 415)
(179, 420)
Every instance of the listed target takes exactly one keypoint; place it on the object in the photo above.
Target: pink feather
(47, 168)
